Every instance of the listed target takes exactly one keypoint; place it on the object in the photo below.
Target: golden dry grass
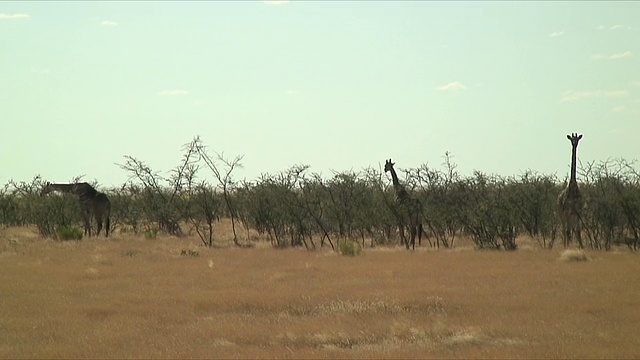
(131, 297)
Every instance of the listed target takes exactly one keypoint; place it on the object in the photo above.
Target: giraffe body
(93, 203)
(408, 210)
(570, 201)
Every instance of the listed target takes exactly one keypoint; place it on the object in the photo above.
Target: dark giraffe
(409, 209)
(570, 201)
(92, 202)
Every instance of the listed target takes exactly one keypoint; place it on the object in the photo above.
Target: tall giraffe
(92, 202)
(409, 209)
(570, 201)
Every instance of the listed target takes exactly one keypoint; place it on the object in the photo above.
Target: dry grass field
(131, 297)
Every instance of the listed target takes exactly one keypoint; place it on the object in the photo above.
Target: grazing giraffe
(92, 202)
(409, 209)
(570, 201)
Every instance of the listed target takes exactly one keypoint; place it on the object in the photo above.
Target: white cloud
(615, 93)
(616, 27)
(456, 85)
(579, 95)
(173, 93)
(556, 34)
(635, 84)
(275, 2)
(601, 27)
(108, 23)
(623, 109)
(621, 55)
(14, 16)
(575, 95)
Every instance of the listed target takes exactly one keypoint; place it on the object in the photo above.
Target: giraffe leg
(87, 224)
(99, 221)
(413, 237)
(579, 236)
(403, 237)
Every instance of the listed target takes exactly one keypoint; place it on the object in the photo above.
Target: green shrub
(64, 233)
(349, 248)
(126, 229)
(151, 233)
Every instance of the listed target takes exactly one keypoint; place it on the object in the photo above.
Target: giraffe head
(46, 189)
(388, 165)
(574, 138)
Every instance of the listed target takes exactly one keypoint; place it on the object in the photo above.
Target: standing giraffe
(570, 201)
(409, 209)
(92, 202)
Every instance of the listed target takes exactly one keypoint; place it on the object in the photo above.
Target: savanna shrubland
(296, 207)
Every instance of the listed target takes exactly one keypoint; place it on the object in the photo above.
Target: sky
(336, 85)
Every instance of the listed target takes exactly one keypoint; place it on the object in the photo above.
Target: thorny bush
(299, 208)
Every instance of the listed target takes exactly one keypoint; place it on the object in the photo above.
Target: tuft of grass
(574, 255)
(130, 253)
(466, 336)
(349, 248)
(189, 253)
(347, 307)
(65, 233)
(432, 305)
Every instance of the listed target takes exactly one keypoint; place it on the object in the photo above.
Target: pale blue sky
(332, 84)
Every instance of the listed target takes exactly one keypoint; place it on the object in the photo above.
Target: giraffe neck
(396, 182)
(64, 188)
(574, 150)
(82, 190)
(401, 192)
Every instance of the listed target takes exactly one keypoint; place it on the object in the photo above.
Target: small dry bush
(189, 252)
(571, 255)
